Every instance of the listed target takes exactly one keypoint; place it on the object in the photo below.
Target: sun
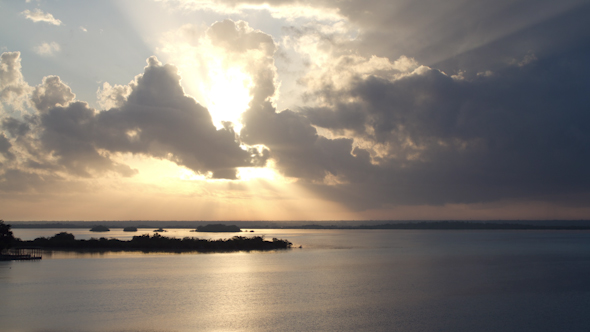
(221, 82)
(228, 95)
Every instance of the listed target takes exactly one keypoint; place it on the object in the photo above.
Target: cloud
(51, 93)
(16, 182)
(444, 35)
(451, 120)
(151, 116)
(14, 127)
(13, 88)
(112, 96)
(396, 132)
(47, 49)
(294, 144)
(5, 148)
(69, 133)
(168, 124)
(10, 71)
(38, 15)
(436, 139)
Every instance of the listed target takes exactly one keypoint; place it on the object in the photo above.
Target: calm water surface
(341, 280)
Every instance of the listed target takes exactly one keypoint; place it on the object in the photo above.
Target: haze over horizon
(294, 110)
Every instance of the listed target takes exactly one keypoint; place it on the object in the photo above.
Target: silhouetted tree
(157, 242)
(63, 237)
(6, 236)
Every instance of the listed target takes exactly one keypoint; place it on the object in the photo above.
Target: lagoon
(341, 280)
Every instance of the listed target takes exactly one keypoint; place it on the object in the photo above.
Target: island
(219, 228)
(66, 242)
(130, 229)
(100, 228)
(159, 230)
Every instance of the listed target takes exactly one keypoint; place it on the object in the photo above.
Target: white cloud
(113, 96)
(39, 16)
(13, 88)
(48, 48)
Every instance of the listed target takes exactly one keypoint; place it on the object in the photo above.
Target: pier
(21, 254)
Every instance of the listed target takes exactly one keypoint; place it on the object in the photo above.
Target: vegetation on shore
(156, 242)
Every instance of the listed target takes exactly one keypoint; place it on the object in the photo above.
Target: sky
(294, 110)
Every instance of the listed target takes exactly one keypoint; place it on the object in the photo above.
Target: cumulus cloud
(438, 140)
(112, 96)
(47, 49)
(151, 116)
(13, 87)
(168, 124)
(38, 15)
(294, 144)
(51, 93)
(395, 132)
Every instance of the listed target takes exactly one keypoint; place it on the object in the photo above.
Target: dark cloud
(5, 147)
(520, 133)
(554, 29)
(15, 127)
(439, 33)
(297, 148)
(157, 119)
(70, 134)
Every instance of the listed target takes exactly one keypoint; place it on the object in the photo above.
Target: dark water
(342, 280)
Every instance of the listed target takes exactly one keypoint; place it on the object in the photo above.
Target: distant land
(334, 224)
(219, 228)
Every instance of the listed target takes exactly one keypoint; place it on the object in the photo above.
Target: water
(341, 280)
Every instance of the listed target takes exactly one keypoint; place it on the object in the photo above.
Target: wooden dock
(21, 254)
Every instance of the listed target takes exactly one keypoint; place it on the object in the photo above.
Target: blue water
(341, 280)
